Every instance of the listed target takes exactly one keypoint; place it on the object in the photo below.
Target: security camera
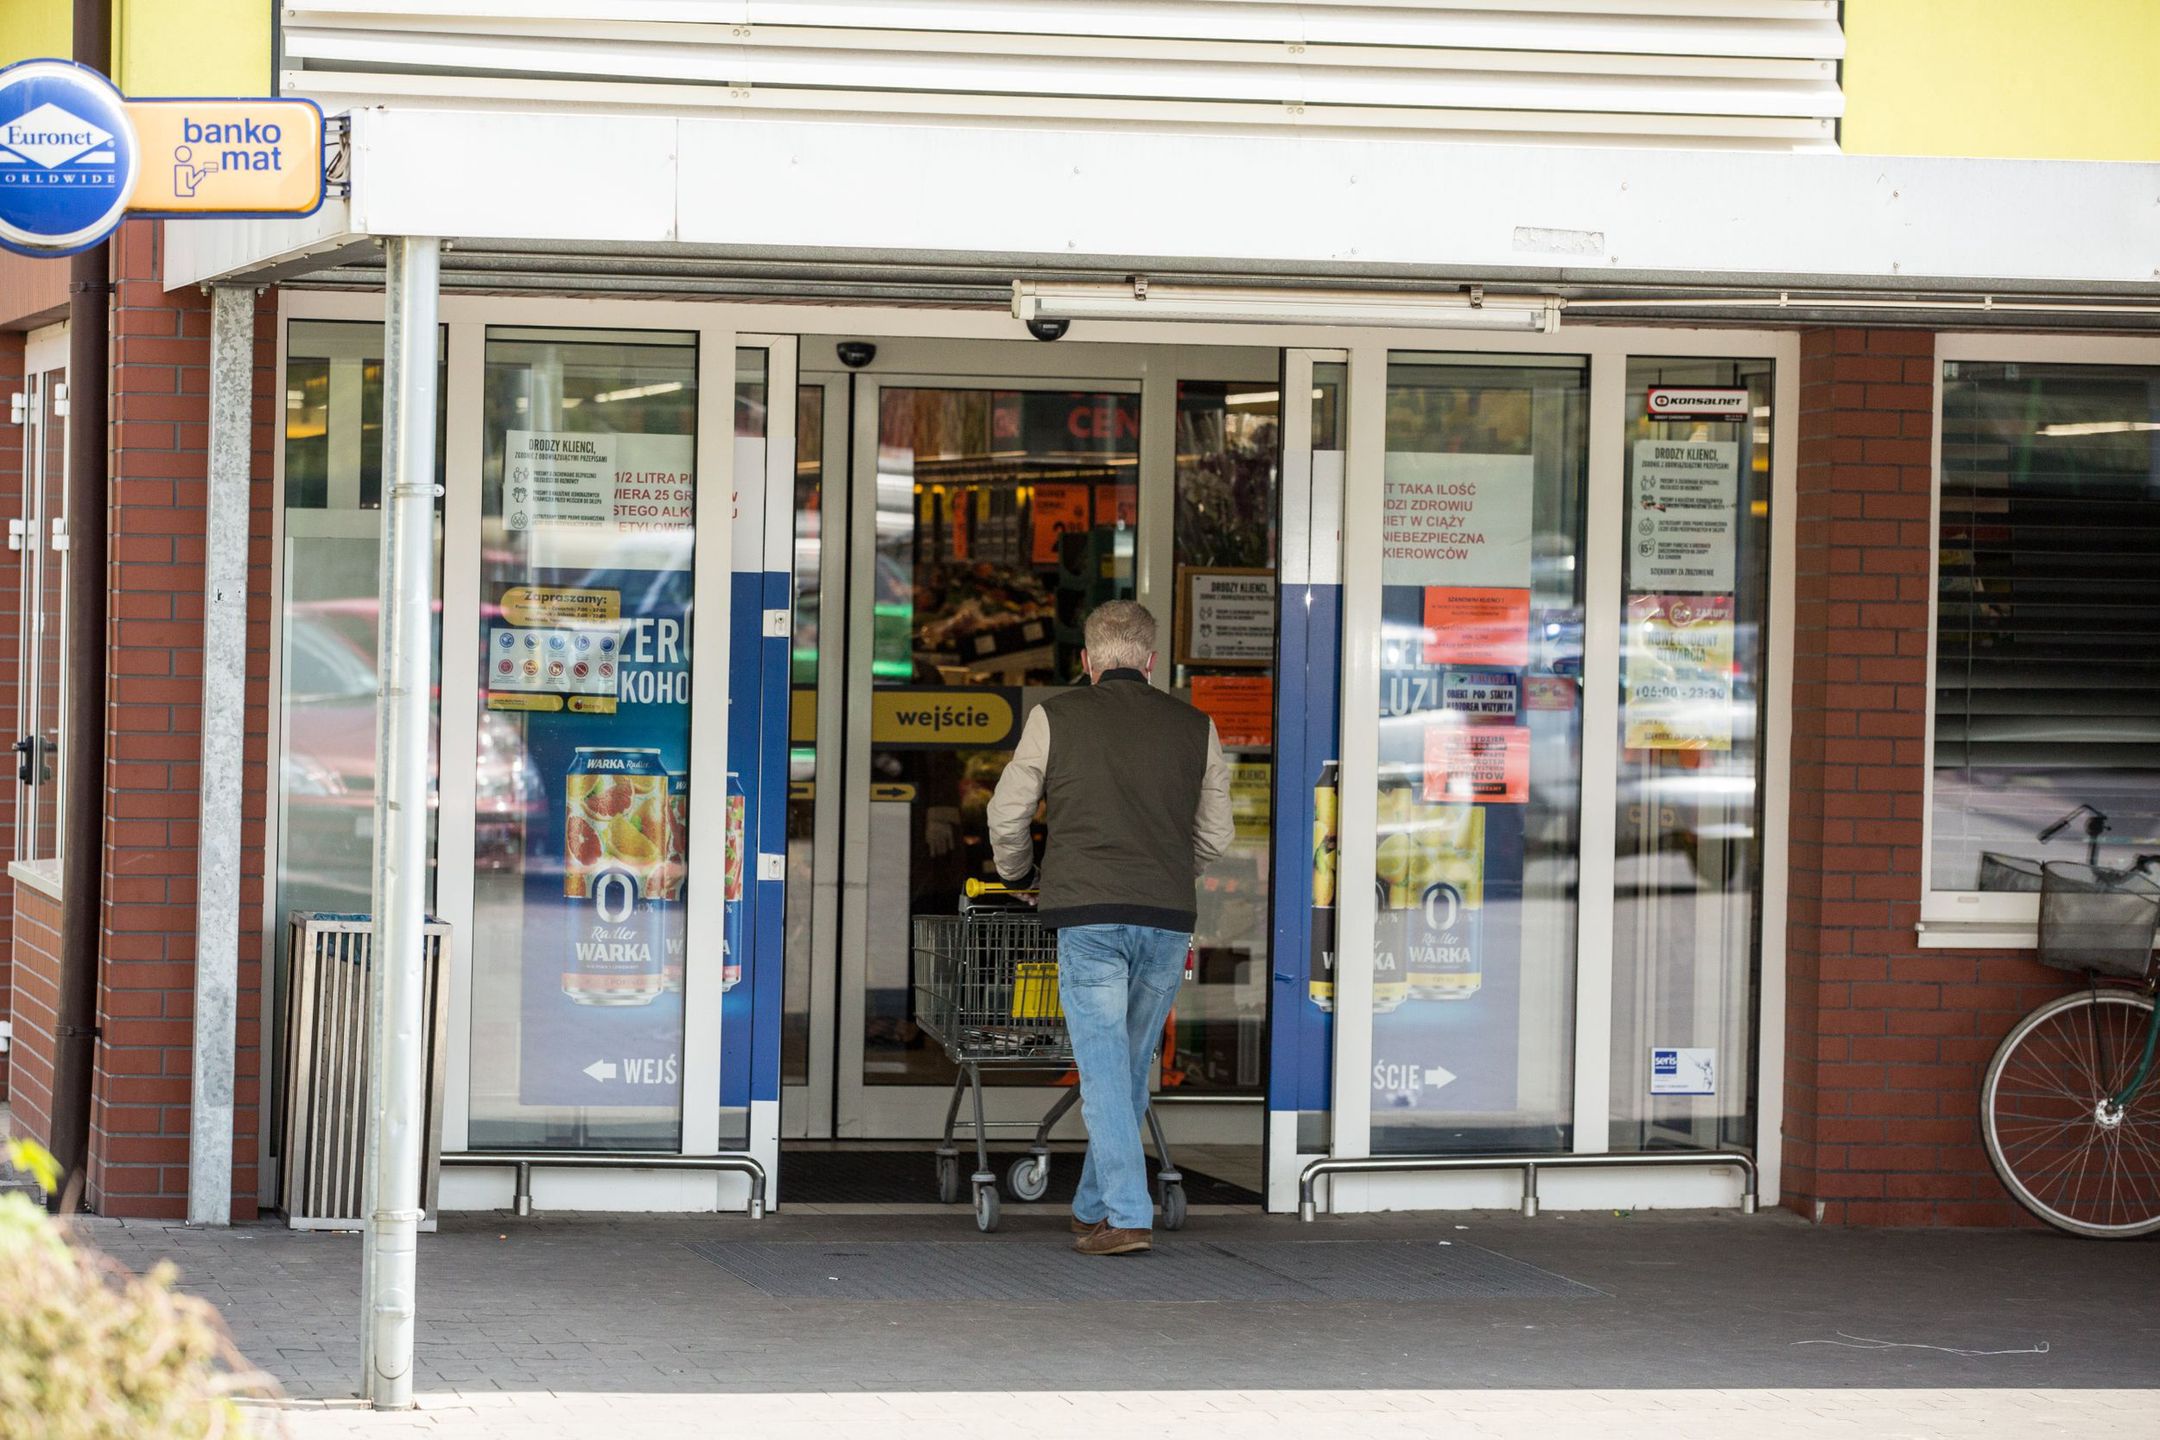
(1042, 327)
(855, 353)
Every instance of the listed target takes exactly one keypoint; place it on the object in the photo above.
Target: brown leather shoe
(1107, 1239)
(1087, 1227)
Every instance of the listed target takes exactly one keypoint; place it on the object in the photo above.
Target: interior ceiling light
(1138, 300)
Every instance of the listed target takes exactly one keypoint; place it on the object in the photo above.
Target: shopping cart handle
(995, 895)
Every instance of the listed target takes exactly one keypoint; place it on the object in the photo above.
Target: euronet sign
(76, 157)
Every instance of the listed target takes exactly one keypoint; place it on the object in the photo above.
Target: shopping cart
(987, 990)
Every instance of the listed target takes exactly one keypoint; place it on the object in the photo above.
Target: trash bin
(325, 1045)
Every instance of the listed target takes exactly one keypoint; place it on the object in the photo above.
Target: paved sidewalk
(1674, 1326)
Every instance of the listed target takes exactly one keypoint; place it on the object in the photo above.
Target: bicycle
(2069, 1121)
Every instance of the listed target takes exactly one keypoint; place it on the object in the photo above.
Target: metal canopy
(754, 209)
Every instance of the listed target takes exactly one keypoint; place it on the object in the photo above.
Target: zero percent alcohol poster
(1679, 662)
(604, 804)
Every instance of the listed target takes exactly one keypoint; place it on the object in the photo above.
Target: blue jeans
(1117, 983)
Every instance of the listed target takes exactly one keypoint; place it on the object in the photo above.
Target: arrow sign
(1437, 1076)
(605, 1070)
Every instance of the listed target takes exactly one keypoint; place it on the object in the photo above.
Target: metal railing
(523, 1162)
(1529, 1165)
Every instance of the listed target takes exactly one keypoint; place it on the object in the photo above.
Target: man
(1139, 802)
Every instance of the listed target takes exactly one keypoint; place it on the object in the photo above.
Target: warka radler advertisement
(592, 649)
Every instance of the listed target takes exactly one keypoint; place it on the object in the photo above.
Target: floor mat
(909, 1177)
(1179, 1269)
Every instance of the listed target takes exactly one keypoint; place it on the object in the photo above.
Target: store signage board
(1687, 510)
(227, 157)
(76, 157)
(1229, 617)
(68, 158)
(1698, 402)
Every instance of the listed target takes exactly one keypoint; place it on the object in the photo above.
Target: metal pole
(397, 1085)
(224, 703)
(82, 728)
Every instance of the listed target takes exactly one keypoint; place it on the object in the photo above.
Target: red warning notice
(1477, 764)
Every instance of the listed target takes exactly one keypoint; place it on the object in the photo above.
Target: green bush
(89, 1352)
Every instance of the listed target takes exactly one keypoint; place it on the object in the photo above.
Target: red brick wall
(36, 1010)
(1885, 1042)
(160, 370)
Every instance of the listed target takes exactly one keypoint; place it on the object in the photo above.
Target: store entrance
(960, 509)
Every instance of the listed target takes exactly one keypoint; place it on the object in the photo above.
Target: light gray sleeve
(1212, 829)
(1019, 791)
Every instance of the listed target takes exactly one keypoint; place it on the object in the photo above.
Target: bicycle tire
(2043, 1116)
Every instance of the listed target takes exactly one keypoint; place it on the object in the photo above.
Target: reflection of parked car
(327, 764)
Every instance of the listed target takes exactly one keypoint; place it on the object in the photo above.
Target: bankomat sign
(76, 157)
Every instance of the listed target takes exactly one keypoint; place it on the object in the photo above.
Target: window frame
(1973, 919)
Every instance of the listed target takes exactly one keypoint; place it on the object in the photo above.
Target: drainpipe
(397, 1082)
(82, 824)
(224, 704)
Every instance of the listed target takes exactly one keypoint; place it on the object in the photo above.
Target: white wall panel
(1753, 73)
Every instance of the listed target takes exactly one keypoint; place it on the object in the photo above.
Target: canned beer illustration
(673, 875)
(1392, 861)
(614, 830)
(1320, 975)
(615, 814)
(1443, 956)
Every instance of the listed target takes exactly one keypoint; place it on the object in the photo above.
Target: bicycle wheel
(2053, 1131)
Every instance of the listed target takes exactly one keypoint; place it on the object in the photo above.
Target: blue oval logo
(68, 160)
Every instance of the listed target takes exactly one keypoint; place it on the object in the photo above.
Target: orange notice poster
(1058, 510)
(1117, 505)
(1476, 626)
(1473, 764)
(1242, 707)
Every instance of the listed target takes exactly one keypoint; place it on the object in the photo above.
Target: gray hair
(1120, 634)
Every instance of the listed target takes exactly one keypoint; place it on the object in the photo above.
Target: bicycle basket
(2013, 873)
(2098, 920)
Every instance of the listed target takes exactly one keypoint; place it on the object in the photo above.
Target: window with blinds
(2047, 628)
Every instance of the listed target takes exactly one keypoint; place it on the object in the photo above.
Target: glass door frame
(466, 320)
(836, 1103)
(1607, 351)
(42, 546)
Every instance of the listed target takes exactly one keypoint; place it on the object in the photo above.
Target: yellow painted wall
(33, 29)
(2014, 79)
(160, 47)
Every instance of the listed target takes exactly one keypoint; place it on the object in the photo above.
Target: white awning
(698, 204)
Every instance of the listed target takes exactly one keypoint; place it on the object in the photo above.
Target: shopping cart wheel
(986, 1208)
(1173, 1207)
(948, 1179)
(1029, 1178)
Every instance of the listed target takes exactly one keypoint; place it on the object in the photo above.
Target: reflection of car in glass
(328, 760)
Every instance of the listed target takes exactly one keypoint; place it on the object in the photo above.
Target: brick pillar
(1885, 1042)
(160, 378)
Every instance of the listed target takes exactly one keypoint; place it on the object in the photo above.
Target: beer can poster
(604, 805)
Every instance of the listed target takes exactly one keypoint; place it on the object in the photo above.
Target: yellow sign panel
(802, 715)
(549, 606)
(958, 717)
(227, 157)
